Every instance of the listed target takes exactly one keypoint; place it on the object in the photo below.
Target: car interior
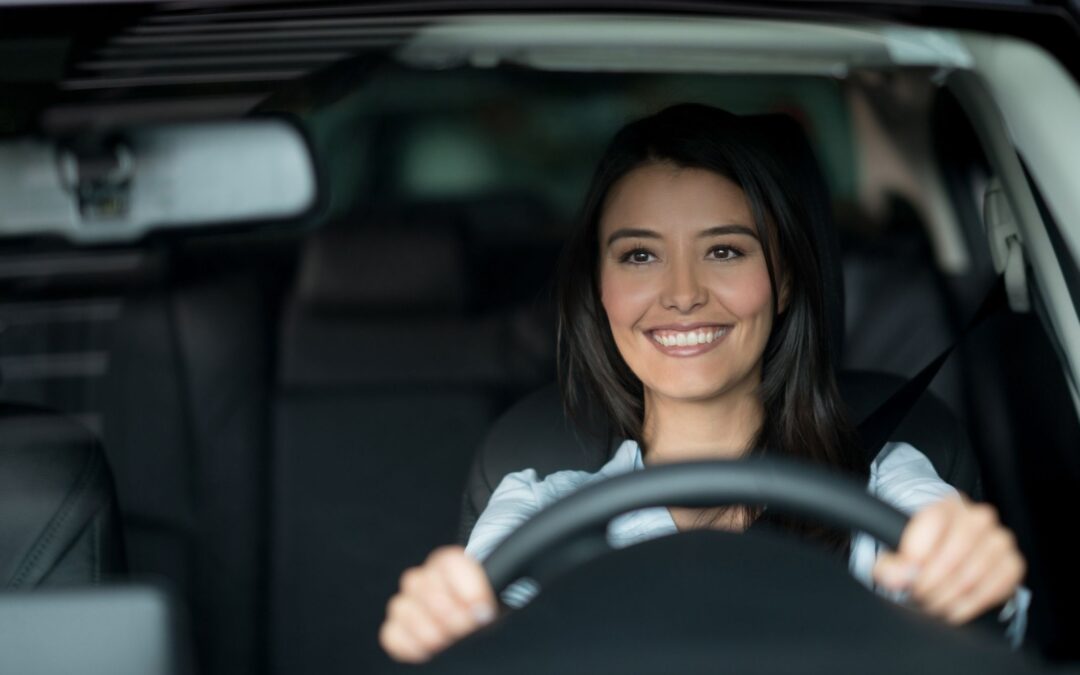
(273, 419)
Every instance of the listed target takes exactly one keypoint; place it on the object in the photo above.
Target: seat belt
(876, 429)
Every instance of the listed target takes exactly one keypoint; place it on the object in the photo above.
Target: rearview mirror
(121, 186)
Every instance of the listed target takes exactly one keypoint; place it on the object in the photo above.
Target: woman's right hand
(441, 601)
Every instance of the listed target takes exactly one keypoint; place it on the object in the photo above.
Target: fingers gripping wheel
(574, 530)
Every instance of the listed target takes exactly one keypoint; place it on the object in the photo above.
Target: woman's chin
(704, 392)
(698, 387)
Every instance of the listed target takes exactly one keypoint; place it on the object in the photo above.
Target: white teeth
(690, 339)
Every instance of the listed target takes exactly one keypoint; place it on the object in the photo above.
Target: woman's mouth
(688, 341)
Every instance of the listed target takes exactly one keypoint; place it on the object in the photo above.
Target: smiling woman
(682, 288)
(723, 243)
(690, 308)
(691, 305)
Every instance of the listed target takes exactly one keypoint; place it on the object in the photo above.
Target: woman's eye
(724, 253)
(638, 256)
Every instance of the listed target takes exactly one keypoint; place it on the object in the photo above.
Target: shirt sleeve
(905, 478)
(514, 501)
(520, 495)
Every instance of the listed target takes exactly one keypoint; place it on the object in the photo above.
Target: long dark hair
(804, 415)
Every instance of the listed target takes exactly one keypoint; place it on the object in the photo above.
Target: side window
(1022, 421)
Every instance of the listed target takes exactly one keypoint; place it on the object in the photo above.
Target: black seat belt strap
(879, 425)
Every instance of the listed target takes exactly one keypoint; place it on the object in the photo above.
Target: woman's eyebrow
(640, 233)
(728, 229)
(632, 233)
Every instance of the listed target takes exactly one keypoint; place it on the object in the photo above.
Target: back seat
(59, 524)
(186, 420)
(162, 352)
(230, 453)
(386, 387)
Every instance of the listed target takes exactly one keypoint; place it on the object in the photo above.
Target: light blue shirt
(900, 475)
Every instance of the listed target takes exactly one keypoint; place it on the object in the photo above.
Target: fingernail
(483, 613)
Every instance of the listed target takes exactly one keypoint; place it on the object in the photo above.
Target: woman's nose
(683, 291)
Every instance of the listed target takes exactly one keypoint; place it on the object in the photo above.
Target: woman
(691, 307)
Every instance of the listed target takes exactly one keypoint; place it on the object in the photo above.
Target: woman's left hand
(956, 559)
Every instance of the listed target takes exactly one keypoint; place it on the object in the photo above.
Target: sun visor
(649, 44)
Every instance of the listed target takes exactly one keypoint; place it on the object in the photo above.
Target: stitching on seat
(57, 521)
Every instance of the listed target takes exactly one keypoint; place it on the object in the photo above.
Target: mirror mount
(99, 179)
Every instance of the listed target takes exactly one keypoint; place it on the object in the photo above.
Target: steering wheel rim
(575, 527)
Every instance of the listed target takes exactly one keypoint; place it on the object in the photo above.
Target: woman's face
(684, 282)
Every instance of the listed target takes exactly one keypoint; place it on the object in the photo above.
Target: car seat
(58, 513)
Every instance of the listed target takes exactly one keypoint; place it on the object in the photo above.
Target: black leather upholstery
(382, 400)
(535, 434)
(58, 514)
(186, 432)
(930, 426)
(342, 272)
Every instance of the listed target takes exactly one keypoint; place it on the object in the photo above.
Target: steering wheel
(574, 530)
(619, 616)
